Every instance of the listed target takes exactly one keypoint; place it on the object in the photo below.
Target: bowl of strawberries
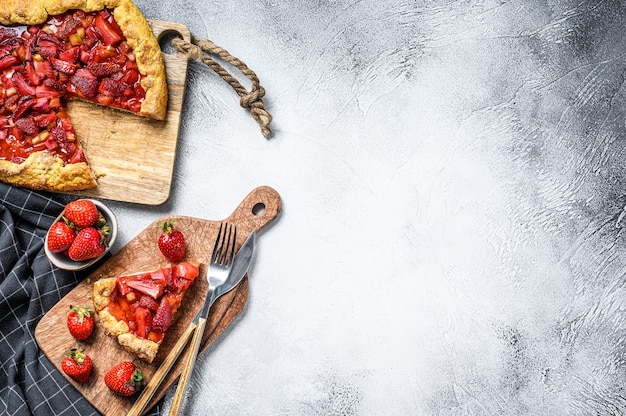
(81, 235)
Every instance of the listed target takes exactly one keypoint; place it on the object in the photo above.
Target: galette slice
(137, 309)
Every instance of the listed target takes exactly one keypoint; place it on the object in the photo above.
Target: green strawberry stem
(81, 312)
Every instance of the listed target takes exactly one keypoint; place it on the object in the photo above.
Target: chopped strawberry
(48, 39)
(148, 302)
(33, 77)
(42, 105)
(69, 25)
(47, 49)
(92, 33)
(58, 134)
(121, 286)
(84, 56)
(143, 318)
(63, 66)
(109, 32)
(7, 61)
(146, 287)
(86, 85)
(71, 55)
(102, 53)
(44, 68)
(27, 125)
(23, 105)
(103, 69)
(52, 145)
(131, 77)
(160, 276)
(22, 86)
(11, 103)
(187, 270)
(77, 155)
(44, 120)
(50, 89)
(6, 33)
(113, 88)
(163, 316)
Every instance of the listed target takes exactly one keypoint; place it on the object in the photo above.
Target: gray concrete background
(451, 241)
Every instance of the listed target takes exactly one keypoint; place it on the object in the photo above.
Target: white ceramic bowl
(65, 263)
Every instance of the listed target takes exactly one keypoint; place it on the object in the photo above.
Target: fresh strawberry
(88, 244)
(77, 365)
(163, 316)
(80, 322)
(124, 379)
(82, 213)
(60, 237)
(171, 242)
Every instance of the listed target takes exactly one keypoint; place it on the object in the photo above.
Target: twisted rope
(200, 50)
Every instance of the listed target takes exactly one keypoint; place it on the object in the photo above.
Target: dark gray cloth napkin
(29, 286)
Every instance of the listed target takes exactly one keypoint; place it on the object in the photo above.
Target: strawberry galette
(137, 309)
(101, 51)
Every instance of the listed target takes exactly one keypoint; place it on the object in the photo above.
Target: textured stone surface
(453, 202)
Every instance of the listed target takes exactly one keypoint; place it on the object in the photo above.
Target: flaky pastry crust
(143, 348)
(43, 171)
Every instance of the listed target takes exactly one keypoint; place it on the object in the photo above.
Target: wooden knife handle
(159, 375)
(177, 402)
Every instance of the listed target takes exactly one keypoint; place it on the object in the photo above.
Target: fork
(219, 270)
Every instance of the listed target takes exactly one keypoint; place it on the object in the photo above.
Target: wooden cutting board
(255, 212)
(136, 154)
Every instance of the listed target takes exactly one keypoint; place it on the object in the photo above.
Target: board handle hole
(165, 41)
(258, 208)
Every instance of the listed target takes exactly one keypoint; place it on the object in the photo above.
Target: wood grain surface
(142, 254)
(135, 154)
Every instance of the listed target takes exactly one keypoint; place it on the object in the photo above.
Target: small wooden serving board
(142, 254)
(135, 154)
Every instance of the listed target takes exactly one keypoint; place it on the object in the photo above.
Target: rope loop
(201, 50)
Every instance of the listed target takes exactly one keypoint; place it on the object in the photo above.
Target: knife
(241, 264)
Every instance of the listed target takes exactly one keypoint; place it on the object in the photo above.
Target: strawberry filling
(148, 301)
(76, 54)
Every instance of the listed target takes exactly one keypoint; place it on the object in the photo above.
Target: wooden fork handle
(177, 402)
(159, 375)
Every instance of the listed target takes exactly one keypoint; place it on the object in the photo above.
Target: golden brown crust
(43, 171)
(134, 26)
(143, 348)
(147, 51)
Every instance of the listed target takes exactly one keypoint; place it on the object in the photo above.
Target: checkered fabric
(29, 286)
